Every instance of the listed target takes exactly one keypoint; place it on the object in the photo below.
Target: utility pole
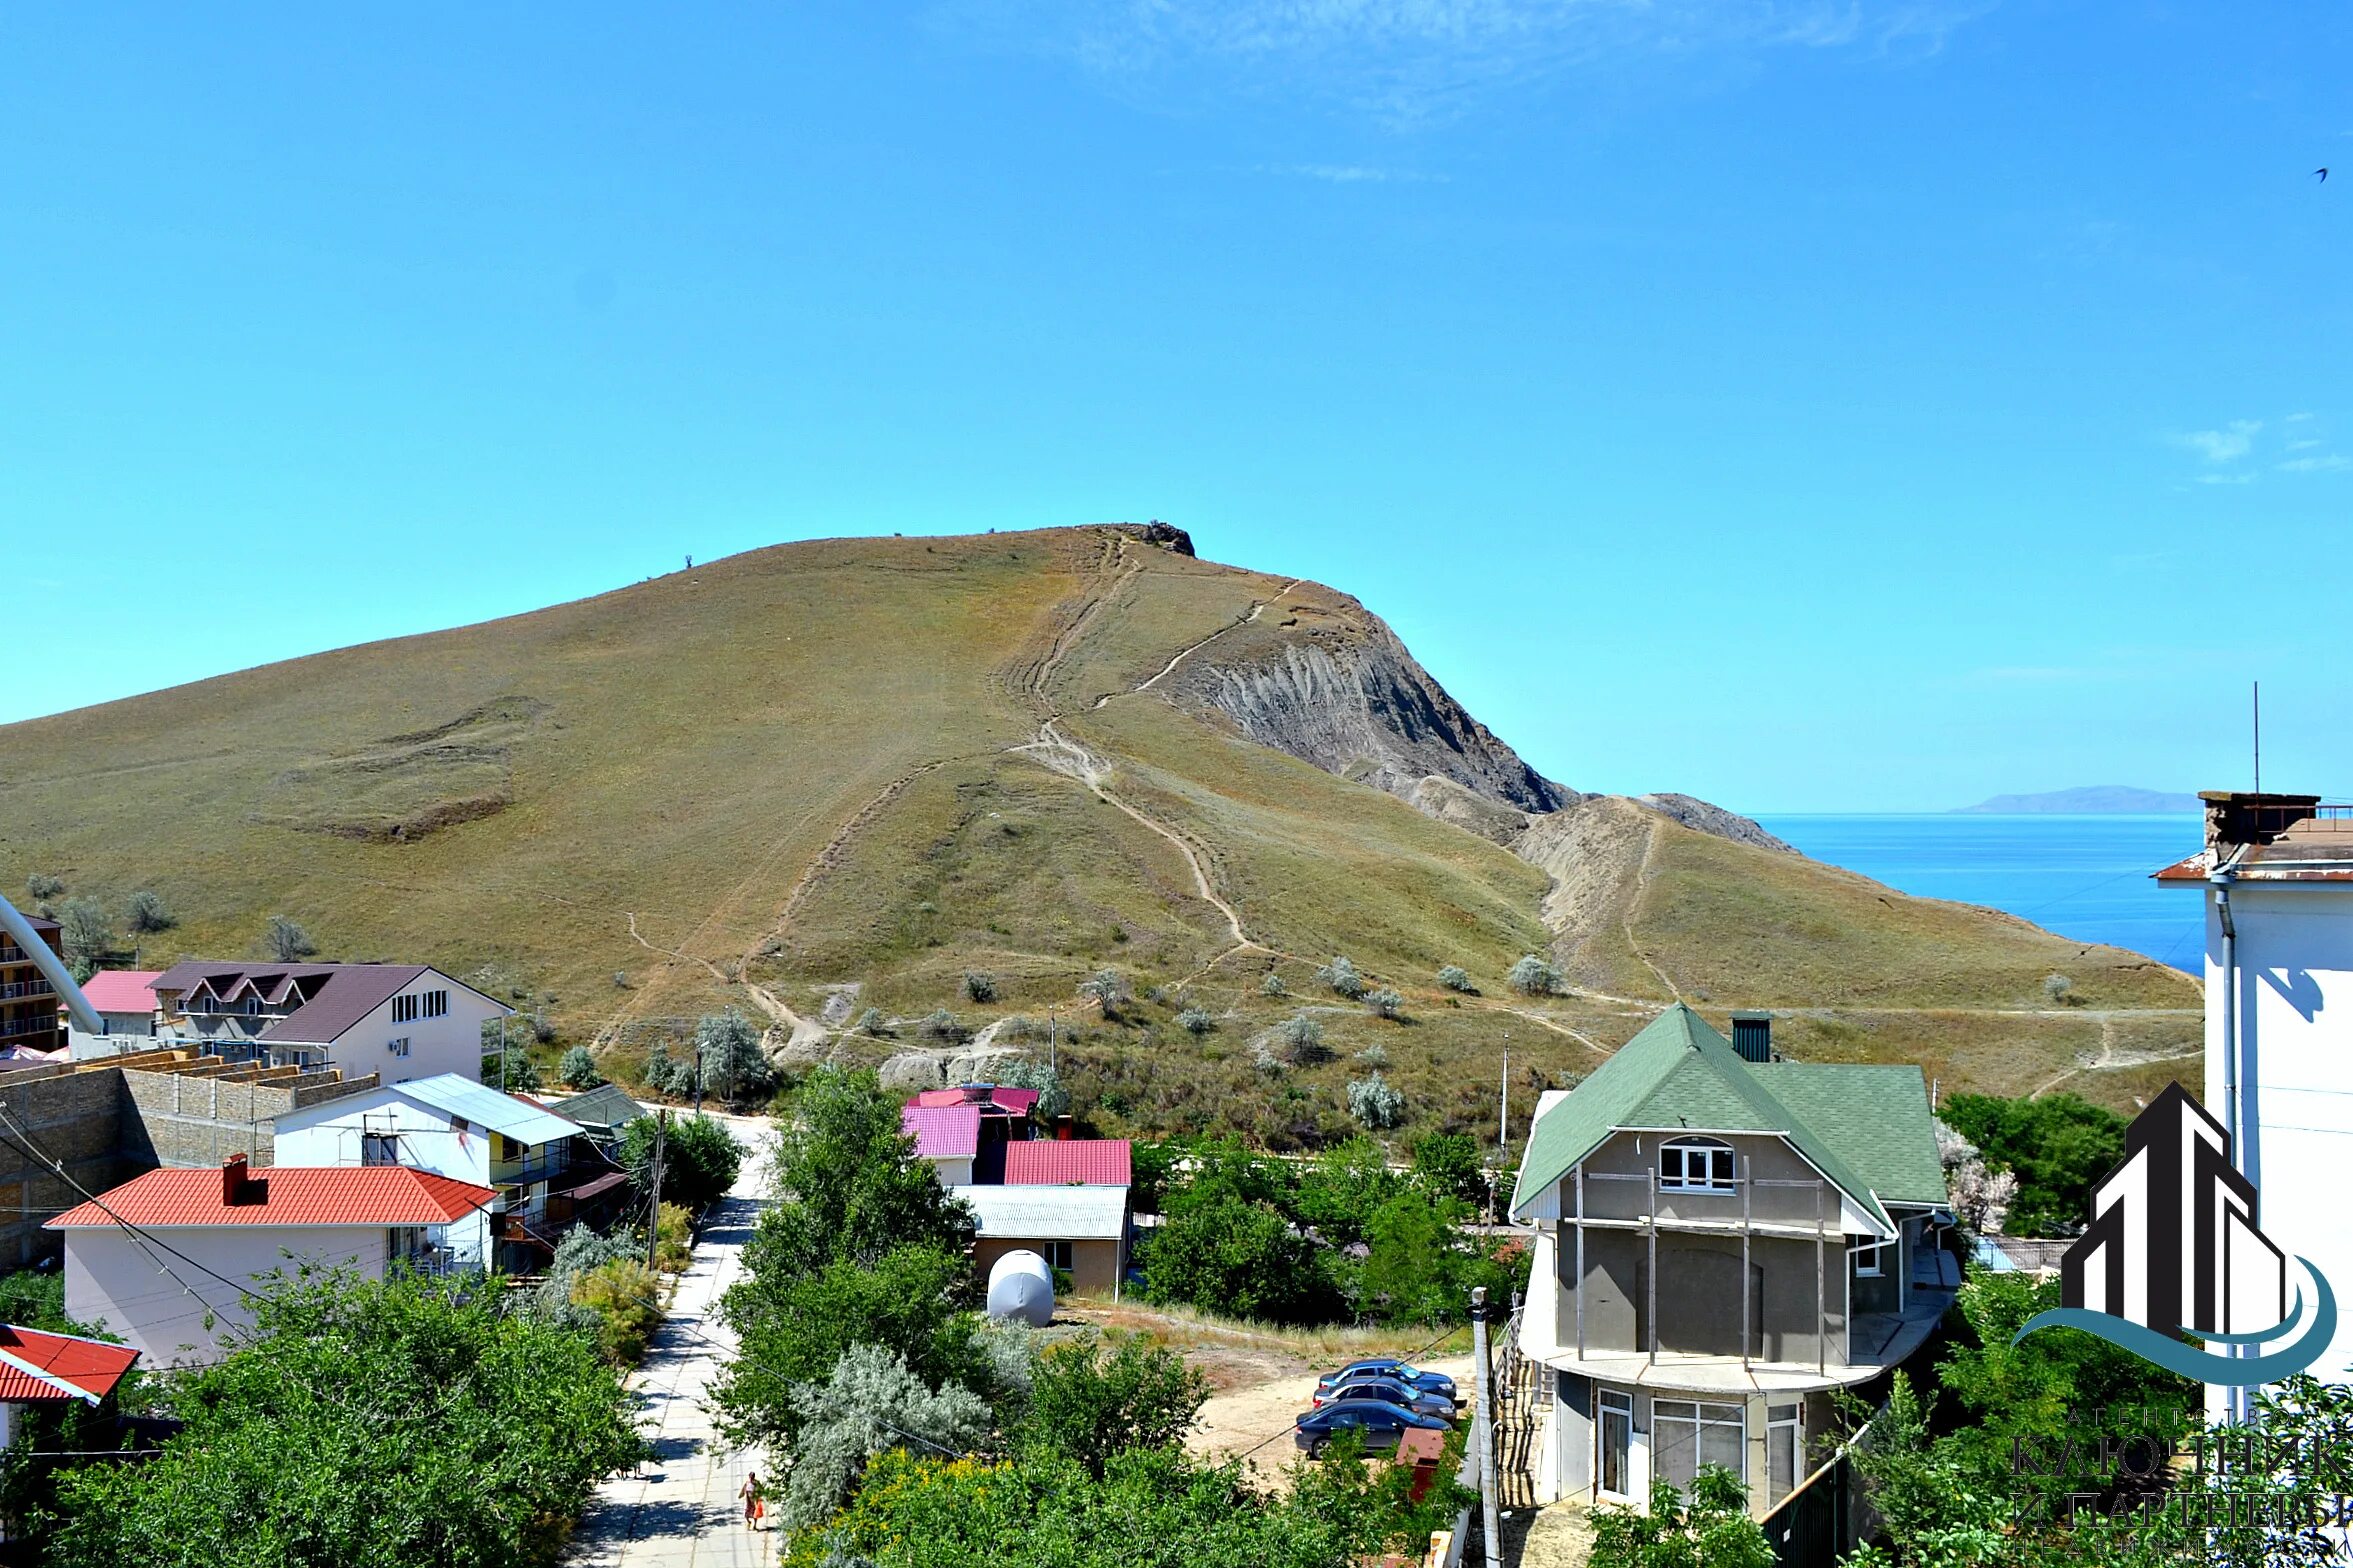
(1483, 1434)
(502, 1051)
(653, 1224)
(698, 1073)
(1503, 1117)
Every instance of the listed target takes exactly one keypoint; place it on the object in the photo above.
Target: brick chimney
(235, 1184)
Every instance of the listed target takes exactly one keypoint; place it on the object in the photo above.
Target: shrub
(1263, 1057)
(42, 885)
(2055, 986)
(1535, 976)
(1342, 977)
(1273, 985)
(734, 1066)
(149, 913)
(286, 940)
(940, 1025)
(87, 933)
(1456, 978)
(620, 979)
(674, 1239)
(980, 986)
(515, 1071)
(1237, 1259)
(1385, 1003)
(578, 1068)
(1022, 1072)
(1089, 1402)
(624, 1295)
(872, 1022)
(1106, 987)
(1374, 1103)
(1713, 1529)
(1303, 1040)
(1196, 1020)
(1373, 1056)
(871, 1405)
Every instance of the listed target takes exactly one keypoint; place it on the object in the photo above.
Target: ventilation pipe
(44, 957)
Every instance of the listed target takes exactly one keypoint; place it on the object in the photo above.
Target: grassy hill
(838, 776)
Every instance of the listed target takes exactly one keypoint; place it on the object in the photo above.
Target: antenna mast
(2258, 739)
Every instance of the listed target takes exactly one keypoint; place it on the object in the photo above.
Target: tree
(340, 1432)
(1108, 989)
(1385, 1003)
(1711, 1530)
(578, 1068)
(1446, 1164)
(1342, 977)
(1022, 1072)
(286, 940)
(1090, 1402)
(1239, 1260)
(513, 1071)
(980, 986)
(700, 1159)
(873, 1403)
(734, 1066)
(150, 914)
(1534, 975)
(2059, 989)
(847, 1184)
(85, 933)
(1456, 978)
(1303, 1040)
(1981, 1198)
(1374, 1103)
(2057, 1145)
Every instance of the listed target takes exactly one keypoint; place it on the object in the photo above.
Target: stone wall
(72, 1118)
(196, 1119)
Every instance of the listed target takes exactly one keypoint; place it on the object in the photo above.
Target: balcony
(15, 990)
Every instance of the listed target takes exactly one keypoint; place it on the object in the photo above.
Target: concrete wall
(113, 1282)
(71, 1117)
(451, 1043)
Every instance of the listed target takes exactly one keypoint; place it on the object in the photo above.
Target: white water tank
(1021, 1288)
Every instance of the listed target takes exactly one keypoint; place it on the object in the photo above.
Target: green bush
(578, 1068)
(1303, 1040)
(43, 886)
(1385, 1003)
(1374, 1103)
(700, 1159)
(149, 914)
(1342, 977)
(1534, 975)
(1455, 978)
(286, 940)
(1196, 1020)
(979, 986)
(625, 1297)
(1273, 985)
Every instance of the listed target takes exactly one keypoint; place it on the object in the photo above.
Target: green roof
(1866, 1128)
(605, 1106)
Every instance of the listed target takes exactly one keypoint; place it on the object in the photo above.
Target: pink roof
(1060, 1162)
(90, 1365)
(988, 1097)
(121, 990)
(942, 1132)
(283, 1195)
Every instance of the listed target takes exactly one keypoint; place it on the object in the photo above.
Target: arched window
(1696, 1165)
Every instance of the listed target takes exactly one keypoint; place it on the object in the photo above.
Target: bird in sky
(2323, 173)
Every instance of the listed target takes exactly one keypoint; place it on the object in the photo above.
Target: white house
(124, 1000)
(228, 1227)
(2277, 878)
(398, 1021)
(453, 1126)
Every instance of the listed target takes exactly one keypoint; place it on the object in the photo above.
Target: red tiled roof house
(39, 1369)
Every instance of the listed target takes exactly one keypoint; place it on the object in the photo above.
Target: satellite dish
(1021, 1288)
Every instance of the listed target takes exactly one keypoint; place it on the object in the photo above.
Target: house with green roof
(1724, 1240)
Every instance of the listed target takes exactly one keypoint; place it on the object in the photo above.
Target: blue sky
(1812, 407)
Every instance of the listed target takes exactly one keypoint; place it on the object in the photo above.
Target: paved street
(680, 1509)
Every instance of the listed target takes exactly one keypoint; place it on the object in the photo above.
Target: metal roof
(121, 990)
(1062, 1162)
(1048, 1213)
(38, 1367)
(281, 1195)
(942, 1132)
(335, 997)
(452, 1095)
(606, 1106)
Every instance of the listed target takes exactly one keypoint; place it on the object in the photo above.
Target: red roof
(87, 1364)
(283, 1195)
(121, 990)
(993, 1099)
(1061, 1162)
(942, 1132)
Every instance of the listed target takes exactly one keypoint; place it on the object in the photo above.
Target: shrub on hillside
(1374, 1103)
(86, 934)
(940, 1026)
(1303, 1040)
(44, 886)
(1535, 975)
(1373, 1056)
(1273, 985)
(578, 1068)
(872, 1022)
(286, 940)
(1108, 989)
(734, 1066)
(1385, 1003)
(1196, 1020)
(1456, 978)
(979, 986)
(150, 914)
(1342, 977)
(2059, 989)
(1264, 1058)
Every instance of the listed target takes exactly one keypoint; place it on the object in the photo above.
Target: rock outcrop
(1693, 812)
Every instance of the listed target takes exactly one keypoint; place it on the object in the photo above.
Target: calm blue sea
(2084, 877)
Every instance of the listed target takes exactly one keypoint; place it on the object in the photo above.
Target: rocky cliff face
(1694, 812)
(1350, 699)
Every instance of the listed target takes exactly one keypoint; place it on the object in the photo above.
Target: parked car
(1377, 1421)
(1390, 1367)
(1390, 1389)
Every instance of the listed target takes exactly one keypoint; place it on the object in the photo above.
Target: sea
(2085, 877)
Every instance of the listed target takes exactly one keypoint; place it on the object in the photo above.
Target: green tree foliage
(286, 941)
(1238, 1259)
(1342, 977)
(35, 1298)
(1710, 1529)
(622, 1298)
(2058, 1146)
(365, 1424)
(1022, 1072)
(85, 934)
(1374, 1102)
(734, 1066)
(1089, 1402)
(578, 1068)
(1535, 975)
(150, 914)
(872, 1404)
(1446, 1164)
(1456, 978)
(512, 1070)
(980, 986)
(847, 1185)
(700, 1159)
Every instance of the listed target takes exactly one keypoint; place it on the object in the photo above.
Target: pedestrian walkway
(680, 1509)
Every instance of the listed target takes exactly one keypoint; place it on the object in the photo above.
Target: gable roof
(451, 1095)
(1876, 1115)
(1678, 1071)
(332, 997)
(1048, 1213)
(288, 1195)
(1066, 1162)
(994, 1099)
(605, 1107)
(40, 1368)
(120, 991)
(942, 1132)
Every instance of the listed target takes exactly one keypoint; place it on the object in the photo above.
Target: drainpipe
(77, 1006)
(2234, 1400)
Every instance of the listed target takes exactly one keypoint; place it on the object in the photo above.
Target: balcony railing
(15, 989)
(36, 1023)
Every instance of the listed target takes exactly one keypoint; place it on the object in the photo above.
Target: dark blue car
(1396, 1393)
(1377, 1421)
(1393, 1369)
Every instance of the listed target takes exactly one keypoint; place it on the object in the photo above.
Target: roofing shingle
(279, 1195)
(90, 1365)
(120, 991)
(1048, 1213)
(942, 1132)
(1066, 1162)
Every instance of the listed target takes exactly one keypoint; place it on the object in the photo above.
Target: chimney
(1065, 1128)
(1752, 1036)
(234, 1182)
(2238, 817)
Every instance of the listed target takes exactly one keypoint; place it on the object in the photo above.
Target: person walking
(754, 1507)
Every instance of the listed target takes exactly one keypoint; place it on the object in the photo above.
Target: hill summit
(897, 797)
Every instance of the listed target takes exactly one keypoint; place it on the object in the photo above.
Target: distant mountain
(2088, 799)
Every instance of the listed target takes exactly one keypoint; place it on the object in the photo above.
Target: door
(1613, 1444)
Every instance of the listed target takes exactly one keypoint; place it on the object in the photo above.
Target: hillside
(2088, 799)
(831, 777)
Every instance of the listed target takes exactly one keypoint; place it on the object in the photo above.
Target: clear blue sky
(1850, 406)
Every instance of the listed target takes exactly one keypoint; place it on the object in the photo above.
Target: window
(1615, 1441)
(436, 1003)
(404, 1009)
(379, 1148)
(1057, 1254)
(1866, 1255)
(1782, 1444)
(1696, 1165)
(1686, 1435)
(399, 1047)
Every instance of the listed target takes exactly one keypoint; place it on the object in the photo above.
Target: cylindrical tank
(1021, 1288)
